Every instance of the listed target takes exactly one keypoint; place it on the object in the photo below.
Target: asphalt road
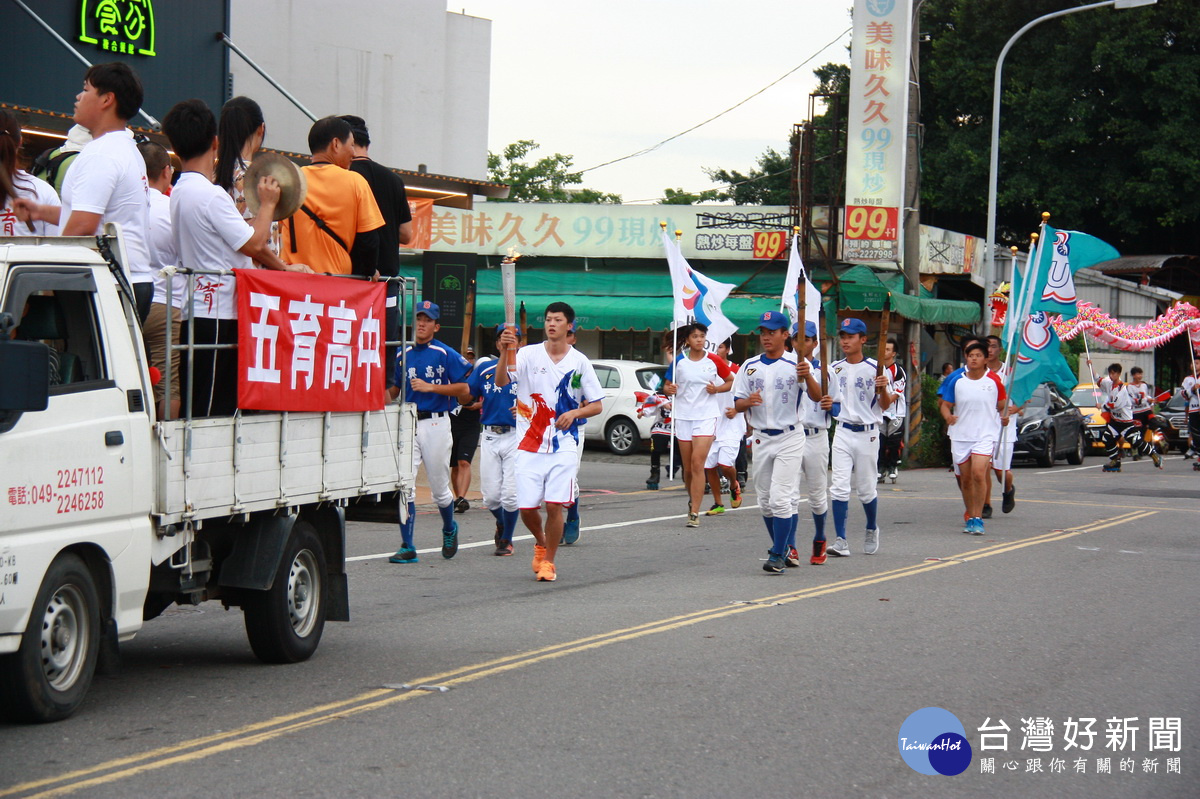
(665, 663)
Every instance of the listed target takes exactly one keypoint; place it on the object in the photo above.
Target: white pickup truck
(109, 515)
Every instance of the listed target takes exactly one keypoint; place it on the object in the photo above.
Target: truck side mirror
(24, 375)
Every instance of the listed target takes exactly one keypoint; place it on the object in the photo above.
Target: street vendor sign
(309, 342)
(878, 119)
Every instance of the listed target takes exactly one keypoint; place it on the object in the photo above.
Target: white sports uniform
(1002, 453)
(856, 440)
(498, 438)
(815, 469)
(975, 401)
(696, 410)
(1117, 400)
(730, 433)
(1143, 399)
(548, 458)
(778, 435)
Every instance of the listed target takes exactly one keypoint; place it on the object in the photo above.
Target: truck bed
(256, 461)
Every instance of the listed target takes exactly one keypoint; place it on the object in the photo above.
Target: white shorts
(961, 450)
(546, 477)
(1002, 458)
(687, 429)
(723, 452)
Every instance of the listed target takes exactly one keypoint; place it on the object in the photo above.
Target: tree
(1098, 114)
(546, 180)
(681, 197)
(769, 184)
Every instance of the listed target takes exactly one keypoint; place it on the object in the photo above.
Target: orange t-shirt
(343, 199)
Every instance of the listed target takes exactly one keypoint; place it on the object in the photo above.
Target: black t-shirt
(392, 199)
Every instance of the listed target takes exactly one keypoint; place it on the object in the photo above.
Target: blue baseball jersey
(435, 363)
(498, 403)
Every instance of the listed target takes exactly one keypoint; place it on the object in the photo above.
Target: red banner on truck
(309, 342)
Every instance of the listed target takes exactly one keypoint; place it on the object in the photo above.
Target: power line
(723, 113)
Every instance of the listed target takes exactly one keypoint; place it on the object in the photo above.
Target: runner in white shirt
(693, 379)
(767, 389)
(1003, 455)
(722, 456)
(556, 388)
(210, 234)
(815, 416)
(856, 392)
(970, 403)
(891, 438)
(107, 181)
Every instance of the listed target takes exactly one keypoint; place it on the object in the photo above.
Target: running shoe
(693, 520)
(539, 557)
(987, 511)
(715, 510)
(774, 564)
(793, 557)
(818, 553)
(966, 523)
(978, 528)
(735, 500)
(570, 531)
(840, 548)
(1154, 456)
(450, 541)
(1010, 500)
(547, 574)
(651, 485)
(503, 549)
(461, 505)
(871, 542)
(404, 555)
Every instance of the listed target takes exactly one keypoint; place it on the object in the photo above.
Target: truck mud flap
(337, 598)
(256, 552)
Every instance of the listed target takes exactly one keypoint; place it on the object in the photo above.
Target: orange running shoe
(818, 553)
(539, 556)
(547, 573)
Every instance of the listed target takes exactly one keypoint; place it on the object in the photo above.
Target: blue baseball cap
(810, 329)
(773, 320)
(852, 326)
(430, 309)
(500, 327)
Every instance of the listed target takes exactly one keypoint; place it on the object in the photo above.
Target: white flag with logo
(697, 297)
(797, 276)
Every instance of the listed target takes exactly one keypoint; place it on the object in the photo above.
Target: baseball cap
(773, 320)
(810, 329)
(430, 309)
(852, 326)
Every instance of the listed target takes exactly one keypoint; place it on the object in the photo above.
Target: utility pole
(912, 232)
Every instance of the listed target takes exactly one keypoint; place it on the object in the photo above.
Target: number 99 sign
(871, 222)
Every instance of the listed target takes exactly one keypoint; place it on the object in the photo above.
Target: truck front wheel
(284, 623)
(48, 677)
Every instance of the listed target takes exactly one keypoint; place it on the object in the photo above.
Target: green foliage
(932, 448)
(769, 184)
(1098, 113)
(546, 180)
(681, 197)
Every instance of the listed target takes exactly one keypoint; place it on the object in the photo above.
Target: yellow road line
(261, 732)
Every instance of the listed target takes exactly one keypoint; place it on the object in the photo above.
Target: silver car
(618, 424)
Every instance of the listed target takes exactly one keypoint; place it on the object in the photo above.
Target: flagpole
(1014, 323)
(674, 349)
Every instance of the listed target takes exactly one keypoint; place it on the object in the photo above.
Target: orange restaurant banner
(309, 342)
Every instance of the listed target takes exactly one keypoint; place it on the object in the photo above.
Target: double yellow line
(260, 732)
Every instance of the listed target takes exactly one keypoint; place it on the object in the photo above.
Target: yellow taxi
(1090, 399)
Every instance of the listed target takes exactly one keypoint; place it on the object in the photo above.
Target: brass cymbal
(292, 185)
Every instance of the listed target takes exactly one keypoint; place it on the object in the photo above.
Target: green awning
(620, 313)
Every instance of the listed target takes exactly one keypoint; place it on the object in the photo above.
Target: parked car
(1085, 399)
(618, 425)
(1051, 427)
(1173, 416)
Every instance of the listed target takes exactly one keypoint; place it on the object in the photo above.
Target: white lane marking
(489, 543)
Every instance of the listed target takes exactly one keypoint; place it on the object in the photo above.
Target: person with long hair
(16, 182)
(240, 135)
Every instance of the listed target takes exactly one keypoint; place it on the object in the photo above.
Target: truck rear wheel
(48, 677)
(284, 623)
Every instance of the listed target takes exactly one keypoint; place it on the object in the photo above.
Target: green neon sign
(119, 26)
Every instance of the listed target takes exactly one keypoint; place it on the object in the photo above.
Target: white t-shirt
(690, 377)
(975, 404)
(899, 407)
(162, 244)
(208, 232)
(1191, 390)
(1140, 394)
(811, 413)
(546, 389)
(34, 189)
(853, 385)
(109, 178)
(776, 382)
(1117, 399)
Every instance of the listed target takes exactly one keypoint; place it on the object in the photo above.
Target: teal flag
(1040, 360)
(1062, 253)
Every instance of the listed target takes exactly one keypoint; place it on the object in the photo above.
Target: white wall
(418, 74)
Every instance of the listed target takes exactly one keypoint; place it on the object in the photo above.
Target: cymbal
(292, 185)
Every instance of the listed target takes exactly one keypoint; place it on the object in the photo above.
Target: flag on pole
(697, 297)
(1062, 253)
(1039, 359)
(797, 276)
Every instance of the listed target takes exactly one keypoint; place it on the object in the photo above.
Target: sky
(601, 79)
